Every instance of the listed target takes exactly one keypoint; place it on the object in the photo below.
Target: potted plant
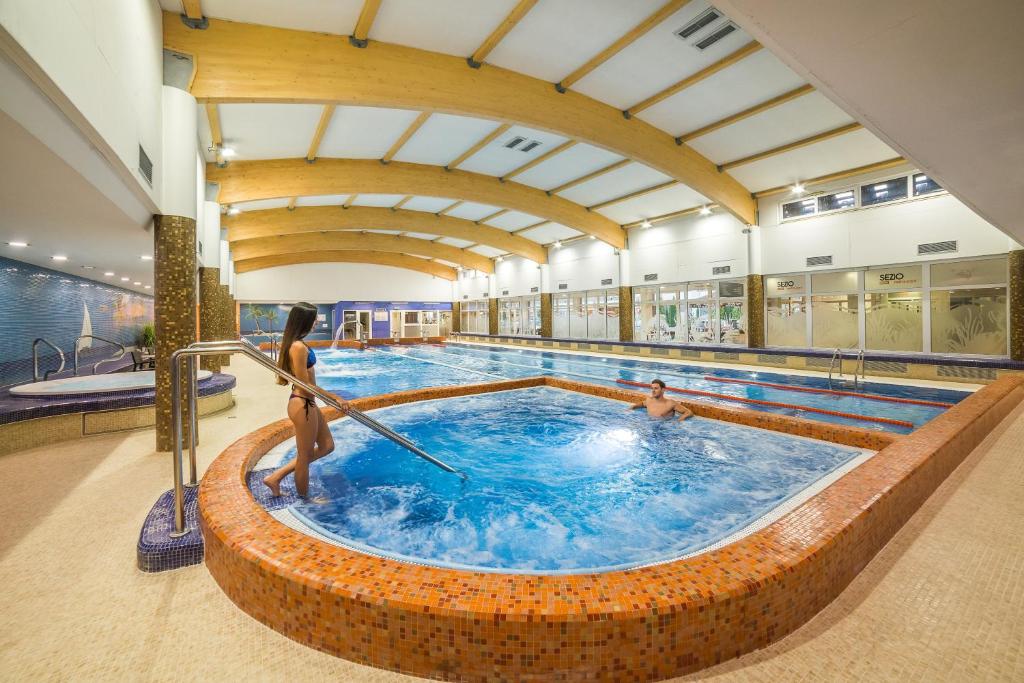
(147, 337)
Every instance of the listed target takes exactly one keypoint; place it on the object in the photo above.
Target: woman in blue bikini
(313, 438)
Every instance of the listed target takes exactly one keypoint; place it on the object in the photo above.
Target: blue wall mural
(265, 318)
(38, 302)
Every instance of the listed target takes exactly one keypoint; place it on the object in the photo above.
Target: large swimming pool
(352, 373)
(558, 482)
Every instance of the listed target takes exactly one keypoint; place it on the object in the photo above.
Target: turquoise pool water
(558, 482)
(353, 373)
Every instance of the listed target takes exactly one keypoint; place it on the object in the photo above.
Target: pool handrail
(247, 348)
(95, 365)
(838, 353)
(859, 366)
(35, 359)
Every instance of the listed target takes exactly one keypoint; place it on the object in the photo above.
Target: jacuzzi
(93, 384)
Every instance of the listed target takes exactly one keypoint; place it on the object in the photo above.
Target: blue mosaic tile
(157, 551)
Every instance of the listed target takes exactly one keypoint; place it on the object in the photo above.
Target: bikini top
(311, 358)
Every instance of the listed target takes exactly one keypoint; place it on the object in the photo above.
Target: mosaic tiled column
(625, 313)
(1017, 304)
(755, 311)
(545, 315)
(456, 316)
(174, 268)
(211, 309)
(492, 316)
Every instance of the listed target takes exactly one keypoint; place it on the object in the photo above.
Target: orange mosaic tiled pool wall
(648, 623)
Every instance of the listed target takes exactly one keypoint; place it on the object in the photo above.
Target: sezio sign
(906, 277)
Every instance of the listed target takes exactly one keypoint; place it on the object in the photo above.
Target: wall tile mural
(38, 302)
(257, 320)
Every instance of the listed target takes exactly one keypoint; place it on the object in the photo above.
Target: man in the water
(660, 406)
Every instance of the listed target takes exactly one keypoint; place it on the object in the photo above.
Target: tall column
(174, 252)
(456, 316)
(755, 311)
(545, 314)
(1016, 258)
(625, 313)
(492, 315)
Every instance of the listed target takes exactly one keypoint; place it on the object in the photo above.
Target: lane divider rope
(822, 411)
(834, 392)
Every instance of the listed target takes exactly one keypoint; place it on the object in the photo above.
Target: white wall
(688, 248)
(473, 285)
(515, 275)
(105, 60)
(329, 282)
(583, 265)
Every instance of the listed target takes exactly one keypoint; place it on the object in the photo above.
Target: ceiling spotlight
(59, 257)
(593, 237)
(109, 273)
(234, 211)
(798, 188)
(147, 287)
(558, 244)
(500, 259)
(124, 279)
(228, 152)
(146, 257)
(645, 224)
(17, 244)
(705, 210)
(136, 283)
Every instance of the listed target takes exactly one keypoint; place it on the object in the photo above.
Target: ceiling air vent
(936, 248)
(515, 142)
(819, 261)
(504, 292)
(715, 37)
(530, 146)
(145, 166)
(651, 277)
(606, 281)
(721, 270)
(702, 20)
(563, 285)
(534, 290)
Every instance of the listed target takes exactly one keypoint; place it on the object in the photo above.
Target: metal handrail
(246, 347)
(859, 366)
(104, 360)
(35, 358)
(838, 353)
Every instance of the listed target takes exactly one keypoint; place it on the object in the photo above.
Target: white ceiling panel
(658, 203)
(260, 204)
(846, 151)
(629, 178)
(443, 138)
(754, 79)
(322, 200)
(269, 131)
(451, 241)
(386, 200)
(496, 159)
(336, 16)
(549, 232)
(513, 220)
(794, 120)
(574, 162)
(428, 204)
(363, 132)
(421, 235)
(455, 27)
(538, 45)
(472, 211)
(489, 252)
(655, 61)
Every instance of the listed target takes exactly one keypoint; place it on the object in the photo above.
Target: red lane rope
(834, 392)
(822, 411)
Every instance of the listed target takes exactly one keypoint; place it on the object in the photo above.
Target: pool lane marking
(452, 367)
(822, 411)
(834, 392)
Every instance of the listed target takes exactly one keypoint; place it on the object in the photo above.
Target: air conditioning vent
(504, 292)
(465, 296)
(534, 290)
(721, 270)
(531, 145)
(515, 142)
(651, 277)
(936, 248)
(819, 261)
(563, 285)
(606, 281)
(702, 20)
(145, 166)
(716, 36)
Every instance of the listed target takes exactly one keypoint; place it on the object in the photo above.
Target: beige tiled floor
(943, 601)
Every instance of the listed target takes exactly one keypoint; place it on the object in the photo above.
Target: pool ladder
(35, 359)
(78, 348)
(858, 368)
(187, 357)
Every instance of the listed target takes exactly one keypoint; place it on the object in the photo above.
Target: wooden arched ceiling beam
(380, 258)
(358, 241)
(305, 219)
(243, 181)
(248, 63)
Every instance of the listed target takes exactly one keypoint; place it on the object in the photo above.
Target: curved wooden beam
(249, 63)
(358, 241)
(374, 257)
(304, 219)
(243, 181)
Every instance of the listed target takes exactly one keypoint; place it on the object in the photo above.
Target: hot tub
(93, 384)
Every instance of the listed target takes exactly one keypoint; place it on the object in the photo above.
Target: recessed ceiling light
(136, 283)
(109, 273)
(593, 237)
(234, 211)
(146, 257)
(228, 152)
(59, 257)
(500, 259)
(645, 224)
(705, 210)
(17, 244)
(147, 287)
(124, 279)
(89, 267)
(558, 244)
(798, 188)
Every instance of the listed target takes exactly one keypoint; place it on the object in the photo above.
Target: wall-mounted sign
(784, 285)
(380, 315)
(902, 277)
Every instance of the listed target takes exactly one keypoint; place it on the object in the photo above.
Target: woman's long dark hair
(300, 322)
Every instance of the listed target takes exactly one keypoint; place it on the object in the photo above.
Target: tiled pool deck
(641, 624)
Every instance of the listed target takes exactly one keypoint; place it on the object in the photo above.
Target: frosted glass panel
(612, 306)
(560, 315)
(969, 321)
(733, 322)
(981, 272)
(823, 283)
(835, 321)
(578, 315)
(787, 321)
(595, 315)
(645, 320)
(702, 322)
(894, 321)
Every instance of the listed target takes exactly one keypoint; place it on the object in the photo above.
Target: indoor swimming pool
(877, 406)
(557, 482)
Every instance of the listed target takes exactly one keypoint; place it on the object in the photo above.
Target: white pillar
(624, 273)
(180, 170)
(210, 235)
(545, 278)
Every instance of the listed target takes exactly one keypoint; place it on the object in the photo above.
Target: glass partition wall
(474, 317)
(589, 314)
(954, 307)
(706, 312)
(519, 315)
